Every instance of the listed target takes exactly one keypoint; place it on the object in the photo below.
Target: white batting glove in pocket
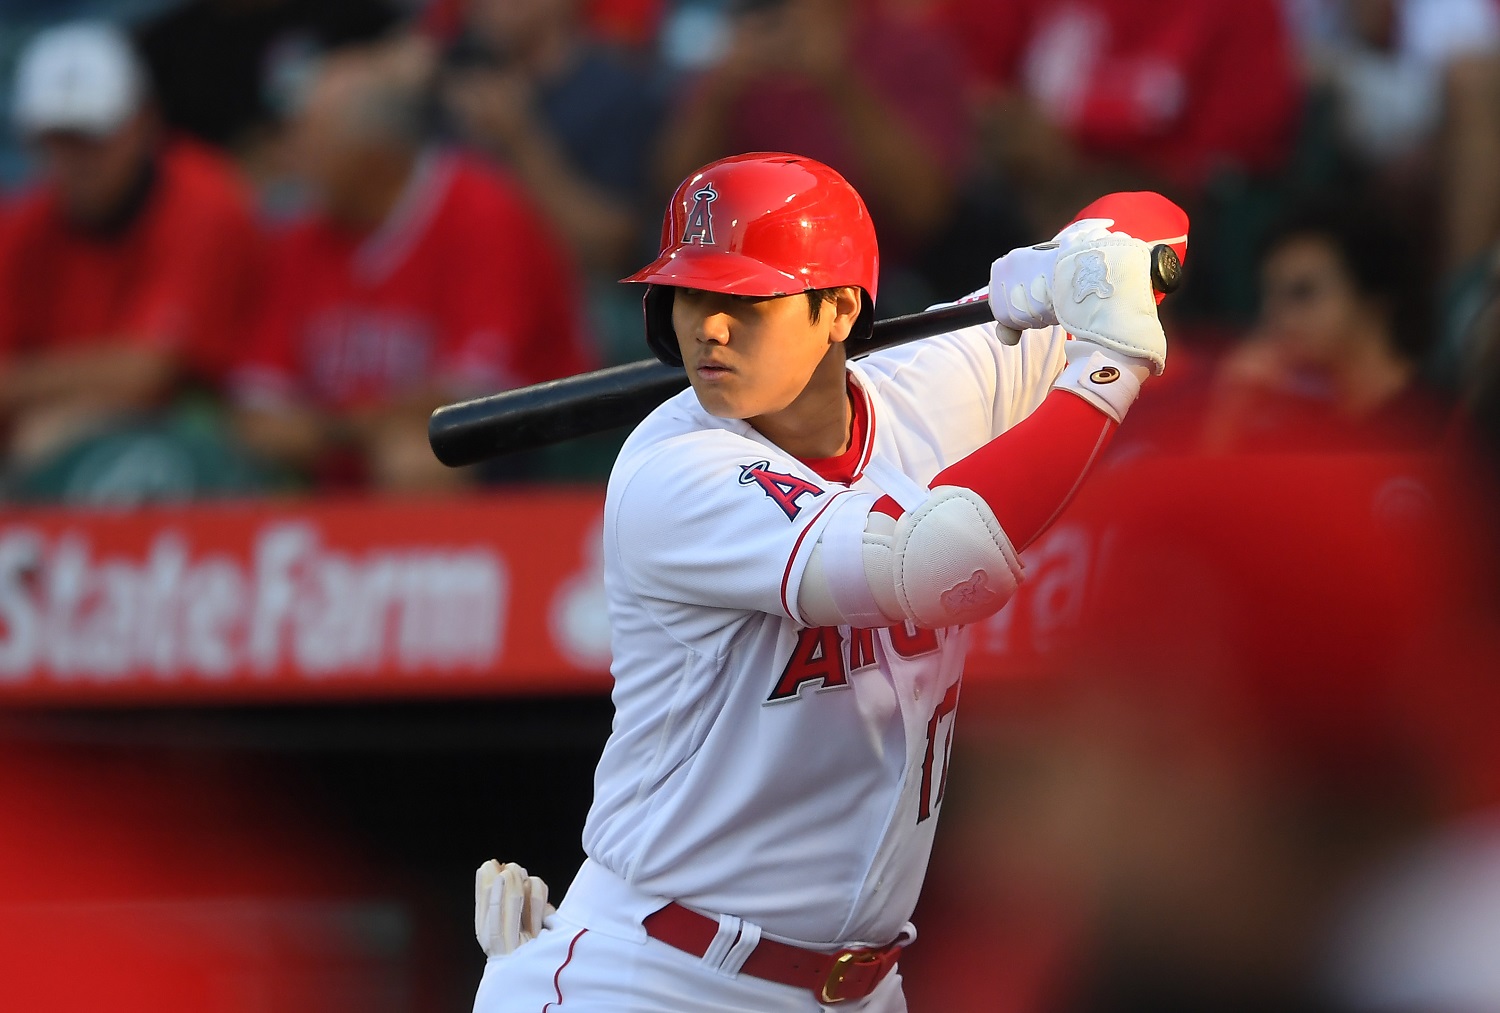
(509, 907)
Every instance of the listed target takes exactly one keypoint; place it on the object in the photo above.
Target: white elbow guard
(950, 561)
(944, 563)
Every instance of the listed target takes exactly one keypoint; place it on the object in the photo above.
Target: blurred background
(273, 682)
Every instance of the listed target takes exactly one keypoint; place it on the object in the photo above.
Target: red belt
(832, 977)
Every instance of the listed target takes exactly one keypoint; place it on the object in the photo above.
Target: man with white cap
(130, 266)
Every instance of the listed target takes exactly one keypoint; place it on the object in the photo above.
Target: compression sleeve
(1028, 474)
(953, 559)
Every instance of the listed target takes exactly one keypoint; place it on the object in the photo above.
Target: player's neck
(816, 424)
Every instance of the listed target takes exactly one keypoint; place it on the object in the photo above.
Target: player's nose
(714, 329)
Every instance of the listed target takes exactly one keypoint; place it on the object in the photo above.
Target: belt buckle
(840, 970)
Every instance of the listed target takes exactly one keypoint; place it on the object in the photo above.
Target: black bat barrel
(545, 413)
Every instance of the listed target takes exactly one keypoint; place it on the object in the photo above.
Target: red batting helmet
(762, 224)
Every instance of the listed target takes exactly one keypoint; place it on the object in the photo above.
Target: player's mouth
(712, 371)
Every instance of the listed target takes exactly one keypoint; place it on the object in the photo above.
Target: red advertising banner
(304, 600)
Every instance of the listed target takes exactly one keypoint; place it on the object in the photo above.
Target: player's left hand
(1022, 282)
(509, 907)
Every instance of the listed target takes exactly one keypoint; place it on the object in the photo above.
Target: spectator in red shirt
(422, 277)
(130, 268)
(1343, 325)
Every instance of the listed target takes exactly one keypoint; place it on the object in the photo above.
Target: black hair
(1385, 261)
(817, 298)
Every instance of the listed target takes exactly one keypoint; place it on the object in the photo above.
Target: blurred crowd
(247, 245)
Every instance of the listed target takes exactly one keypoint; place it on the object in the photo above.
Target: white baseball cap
(83, 76)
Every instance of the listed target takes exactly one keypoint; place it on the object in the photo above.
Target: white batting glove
(1101, 291)
(1021, 288)
(1095, 283)
(1021, 281)
(509, 907)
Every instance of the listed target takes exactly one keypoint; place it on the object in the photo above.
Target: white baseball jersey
(790, 776)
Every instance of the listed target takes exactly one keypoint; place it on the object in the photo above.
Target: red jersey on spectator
(1209, 83)
(181, 274)
(462, 288)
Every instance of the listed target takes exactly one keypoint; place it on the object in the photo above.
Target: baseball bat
(526, 418)
(544, 413)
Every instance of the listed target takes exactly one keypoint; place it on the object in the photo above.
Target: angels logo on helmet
(700, 220)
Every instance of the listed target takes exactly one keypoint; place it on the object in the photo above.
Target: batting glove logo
(1092, 277)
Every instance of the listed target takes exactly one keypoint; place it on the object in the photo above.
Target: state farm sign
(352, 597)
(293, 600)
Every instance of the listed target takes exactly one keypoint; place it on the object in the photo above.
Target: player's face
(749, 356)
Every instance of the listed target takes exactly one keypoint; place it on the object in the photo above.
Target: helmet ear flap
(864, 324)
(661, 337)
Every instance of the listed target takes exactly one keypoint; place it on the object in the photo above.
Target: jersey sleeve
(967, 384)
(715, 520)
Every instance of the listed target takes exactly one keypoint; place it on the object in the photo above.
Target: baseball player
(792, 551)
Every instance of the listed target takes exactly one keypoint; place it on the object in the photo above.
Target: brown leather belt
(843, 976)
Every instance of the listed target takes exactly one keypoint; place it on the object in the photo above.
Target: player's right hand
(509, 907)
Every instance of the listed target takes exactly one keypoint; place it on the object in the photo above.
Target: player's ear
(847, 301)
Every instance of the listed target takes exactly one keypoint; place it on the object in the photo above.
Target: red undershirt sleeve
(1028, 473)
